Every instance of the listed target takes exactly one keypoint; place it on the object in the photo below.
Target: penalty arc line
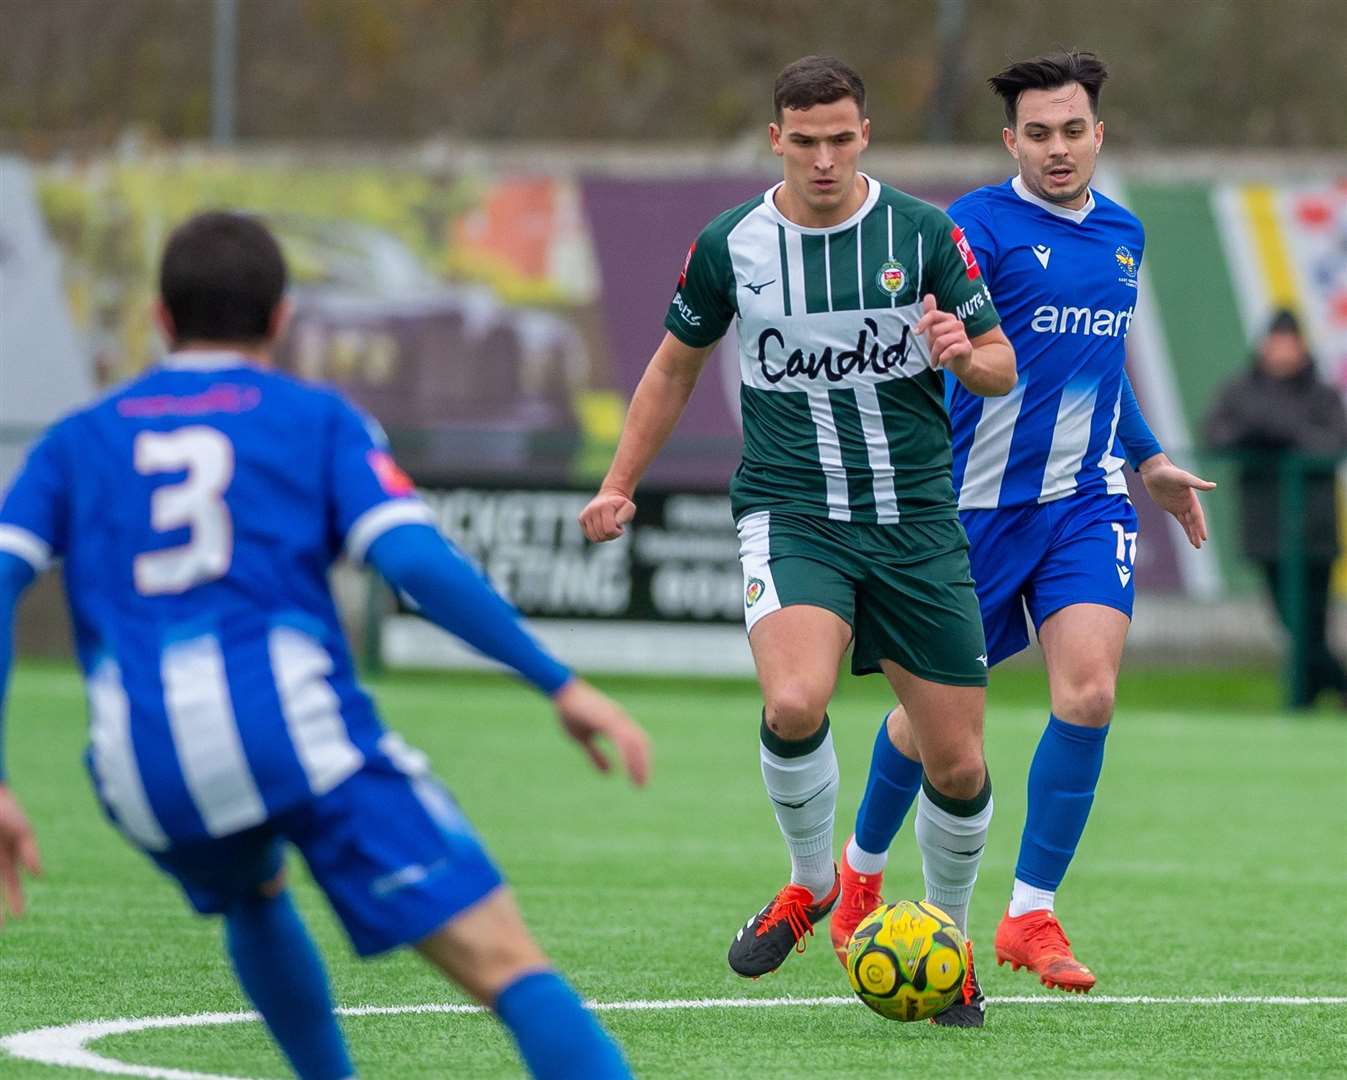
(67, 1044)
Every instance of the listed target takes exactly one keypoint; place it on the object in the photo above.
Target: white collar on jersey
(871, 197)
(1052, 208)
(203, 360)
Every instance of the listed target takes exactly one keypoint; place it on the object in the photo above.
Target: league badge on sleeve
(970, 262)
(687, 261)
(390, 476)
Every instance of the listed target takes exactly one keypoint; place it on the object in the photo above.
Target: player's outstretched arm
(658, 402)
(18, 845)
(587, 715)
(419, 562)
(984, 364)
(1175, 490)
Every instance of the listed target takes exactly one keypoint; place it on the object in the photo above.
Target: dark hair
(1048, 72)
(816, 80)
(1284, 321)
(221, 277)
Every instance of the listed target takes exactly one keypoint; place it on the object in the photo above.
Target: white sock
(803, 789)
(1025, 898)
(951, 848)
(865, 862)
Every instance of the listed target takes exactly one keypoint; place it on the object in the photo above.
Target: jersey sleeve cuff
(679, 331)
(1136, 455)
(377, 520)
(980, 324)
(27, 546)
(552, 676)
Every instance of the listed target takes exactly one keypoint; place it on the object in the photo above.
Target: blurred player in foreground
(852, 298)
(198, 509)
(1041, 492)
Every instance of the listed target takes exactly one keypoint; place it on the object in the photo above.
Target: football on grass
(907, 960)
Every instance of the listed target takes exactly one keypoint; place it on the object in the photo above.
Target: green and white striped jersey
(843, 416)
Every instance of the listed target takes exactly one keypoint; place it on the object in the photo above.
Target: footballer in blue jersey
(1041, 489)
(197, 511)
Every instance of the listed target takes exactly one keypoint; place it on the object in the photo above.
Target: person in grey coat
(1281, 406)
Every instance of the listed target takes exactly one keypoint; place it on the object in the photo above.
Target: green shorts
(905, 590)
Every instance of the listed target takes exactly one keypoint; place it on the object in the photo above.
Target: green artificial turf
(1215, 864)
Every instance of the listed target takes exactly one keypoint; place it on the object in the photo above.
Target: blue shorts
(389, 847)
(1047, 556)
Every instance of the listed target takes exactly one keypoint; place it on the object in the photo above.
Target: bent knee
(960, 777)
(1088, 703)
(794, 711)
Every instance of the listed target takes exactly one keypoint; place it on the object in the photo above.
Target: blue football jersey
(1065, 284)
(198, 510)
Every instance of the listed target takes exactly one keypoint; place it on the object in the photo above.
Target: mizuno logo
(982, 659)
(1124, 575)
(757, 289)
(1042, 253)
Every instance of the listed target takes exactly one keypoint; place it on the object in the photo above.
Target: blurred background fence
(486, 205)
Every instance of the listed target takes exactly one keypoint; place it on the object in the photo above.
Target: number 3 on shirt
(196, 503)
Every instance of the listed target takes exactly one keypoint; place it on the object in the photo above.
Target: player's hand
(1174, 490)
(587, 715)
(945, 334)
(18, 849)
(604, 516)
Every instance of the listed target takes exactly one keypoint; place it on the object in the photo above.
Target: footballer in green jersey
(854, 303)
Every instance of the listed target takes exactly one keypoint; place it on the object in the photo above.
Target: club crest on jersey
(753, 591)
(970, 262)
(1127, 263)
(892, 277)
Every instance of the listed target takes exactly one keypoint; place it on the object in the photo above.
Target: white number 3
(196, 503)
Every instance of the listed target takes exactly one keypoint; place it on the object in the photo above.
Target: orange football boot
(1035, 940)
(860, 896)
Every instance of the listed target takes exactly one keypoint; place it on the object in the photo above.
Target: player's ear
(1008, 138)
(163, 321)
(280, 319)
(774, 137)
(865, 132)
(1098, 135)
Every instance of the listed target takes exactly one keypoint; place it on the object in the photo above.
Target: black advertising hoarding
(678, 560)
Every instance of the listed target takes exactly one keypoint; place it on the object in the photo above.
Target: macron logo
(1042, 253)
(1124, 576)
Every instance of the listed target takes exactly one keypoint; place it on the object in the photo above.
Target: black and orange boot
(765, 941)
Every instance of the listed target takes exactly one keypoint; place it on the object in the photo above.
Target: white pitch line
(67, 1044)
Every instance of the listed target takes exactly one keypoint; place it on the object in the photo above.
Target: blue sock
(893, 783)
(281, 972)
(558, 1037)
(1062, 779)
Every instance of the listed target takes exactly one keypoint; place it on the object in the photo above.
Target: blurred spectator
(1280, 406)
